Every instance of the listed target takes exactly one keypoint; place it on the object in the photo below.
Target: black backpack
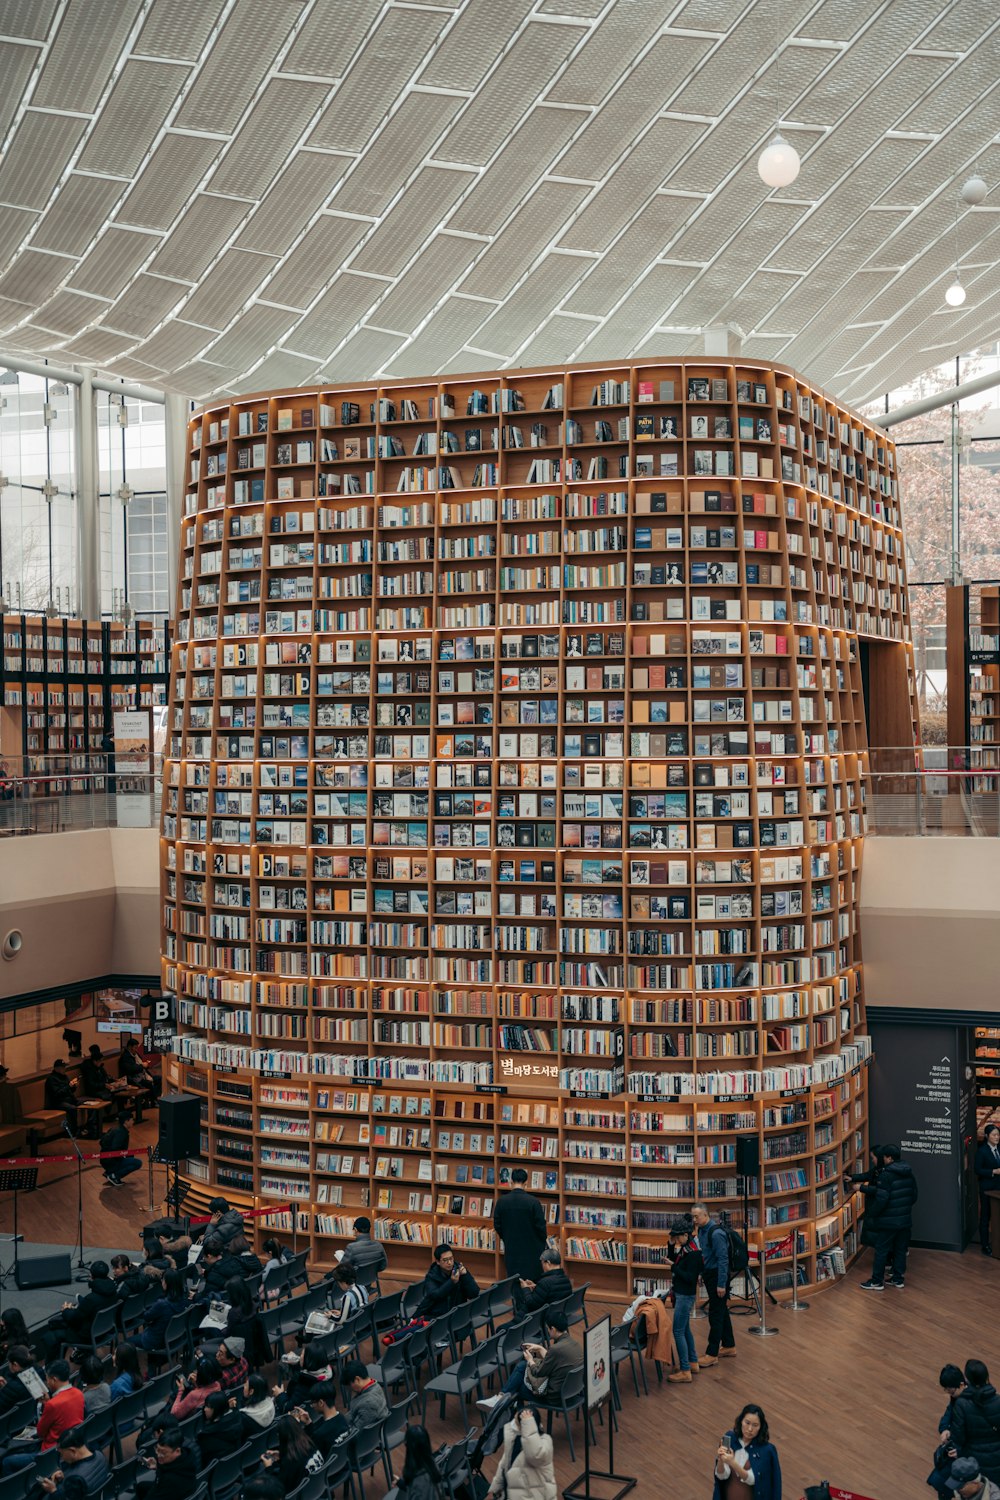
(739, 1255)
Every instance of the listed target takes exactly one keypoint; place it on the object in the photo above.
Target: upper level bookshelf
(61, 681)
(515, 787)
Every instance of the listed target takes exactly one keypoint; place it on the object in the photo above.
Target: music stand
(16, 1180)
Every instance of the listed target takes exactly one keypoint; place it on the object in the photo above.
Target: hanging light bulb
(955, 294)
(778, 164)
(974, 189)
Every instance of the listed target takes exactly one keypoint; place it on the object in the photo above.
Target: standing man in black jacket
(519, 1220)
(894, 1193)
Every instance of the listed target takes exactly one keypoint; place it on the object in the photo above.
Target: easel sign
(597, 1373)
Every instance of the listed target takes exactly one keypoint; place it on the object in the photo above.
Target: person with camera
(688, 1265)
(526, 1470)
(747, 1459)
(447, 1284)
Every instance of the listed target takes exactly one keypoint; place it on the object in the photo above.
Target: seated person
(159, 1313)
(348, 1297)
(62, 1410)
(216, 1266)
(294, 1455)
(11, 1110)
(366, 1255)
(447, 1284)
(176, 1466)
(224, 1223)
(96, 1391)
(368, 1404)
(130, 1280)
(128, 1377)
(258, 1409)
(232, 1363)
(221, 1431)
(95, 1079)
(552, 1286)
(59, 1092)
(327, 1427)
(13, 1391)
(76, 1459)
(542, 1373)
(314, 1370)
(74, 1320)
(239, 1246)
(194, 1391)
(133, 1071)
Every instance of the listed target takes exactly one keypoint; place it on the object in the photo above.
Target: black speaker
(45, 1270)
(180, 1127)
(747, 1155)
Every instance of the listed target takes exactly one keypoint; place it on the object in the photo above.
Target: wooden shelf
(547, 793)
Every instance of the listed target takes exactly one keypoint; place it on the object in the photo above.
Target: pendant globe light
(955, 293)
(778, 164)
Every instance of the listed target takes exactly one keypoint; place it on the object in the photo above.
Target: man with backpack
(714, 1244)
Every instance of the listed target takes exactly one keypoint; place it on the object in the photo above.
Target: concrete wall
(930, 923)
(86, 904)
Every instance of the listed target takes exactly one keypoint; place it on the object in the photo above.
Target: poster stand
(597, 1372)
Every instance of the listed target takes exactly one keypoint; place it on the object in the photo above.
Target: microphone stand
(81, 1265)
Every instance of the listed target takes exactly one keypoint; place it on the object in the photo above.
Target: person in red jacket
(63, 1410)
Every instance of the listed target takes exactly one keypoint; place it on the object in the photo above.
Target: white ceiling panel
(142, 98)
(474, 43)
(331, 319)
(530, 231)
(304, 187)
(329, 37)
(114, 259)
(247, 45)
(424, 284)
(82, 54)
(144, 304)
(68, 312)
(174, 172)
(37, 157)
(442, 336)
(281, 114)
(413, 218)
(77, 213)
(368, 349)
(16, 65)
(315, 260)
(379, 73)
(227, 287)
(459, 152)
(198, 236)
(178, 28)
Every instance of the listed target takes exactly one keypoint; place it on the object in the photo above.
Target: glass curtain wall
(38, 498)
(133, 506)
(949, 472)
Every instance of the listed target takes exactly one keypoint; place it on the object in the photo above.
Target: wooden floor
(849, 1386)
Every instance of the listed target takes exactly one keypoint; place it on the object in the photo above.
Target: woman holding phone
(746, 1459)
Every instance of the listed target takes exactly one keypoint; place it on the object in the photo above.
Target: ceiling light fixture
(955, 294)
(974, 190)
(778, 164)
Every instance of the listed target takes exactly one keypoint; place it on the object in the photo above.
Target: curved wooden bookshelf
(514, 803)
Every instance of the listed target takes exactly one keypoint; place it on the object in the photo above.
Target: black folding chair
(226, 1476)
(394, 1432)
(365, 1451)
(385, 1314)
(569, 1399)
(460, 1380)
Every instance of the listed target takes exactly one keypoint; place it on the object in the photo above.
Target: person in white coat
(526, 1470)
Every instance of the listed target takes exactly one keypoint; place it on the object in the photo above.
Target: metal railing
(950, 791)
(60, 793)
(940, 790)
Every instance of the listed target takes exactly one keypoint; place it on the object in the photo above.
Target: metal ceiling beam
(73, 377)
(941, 398)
